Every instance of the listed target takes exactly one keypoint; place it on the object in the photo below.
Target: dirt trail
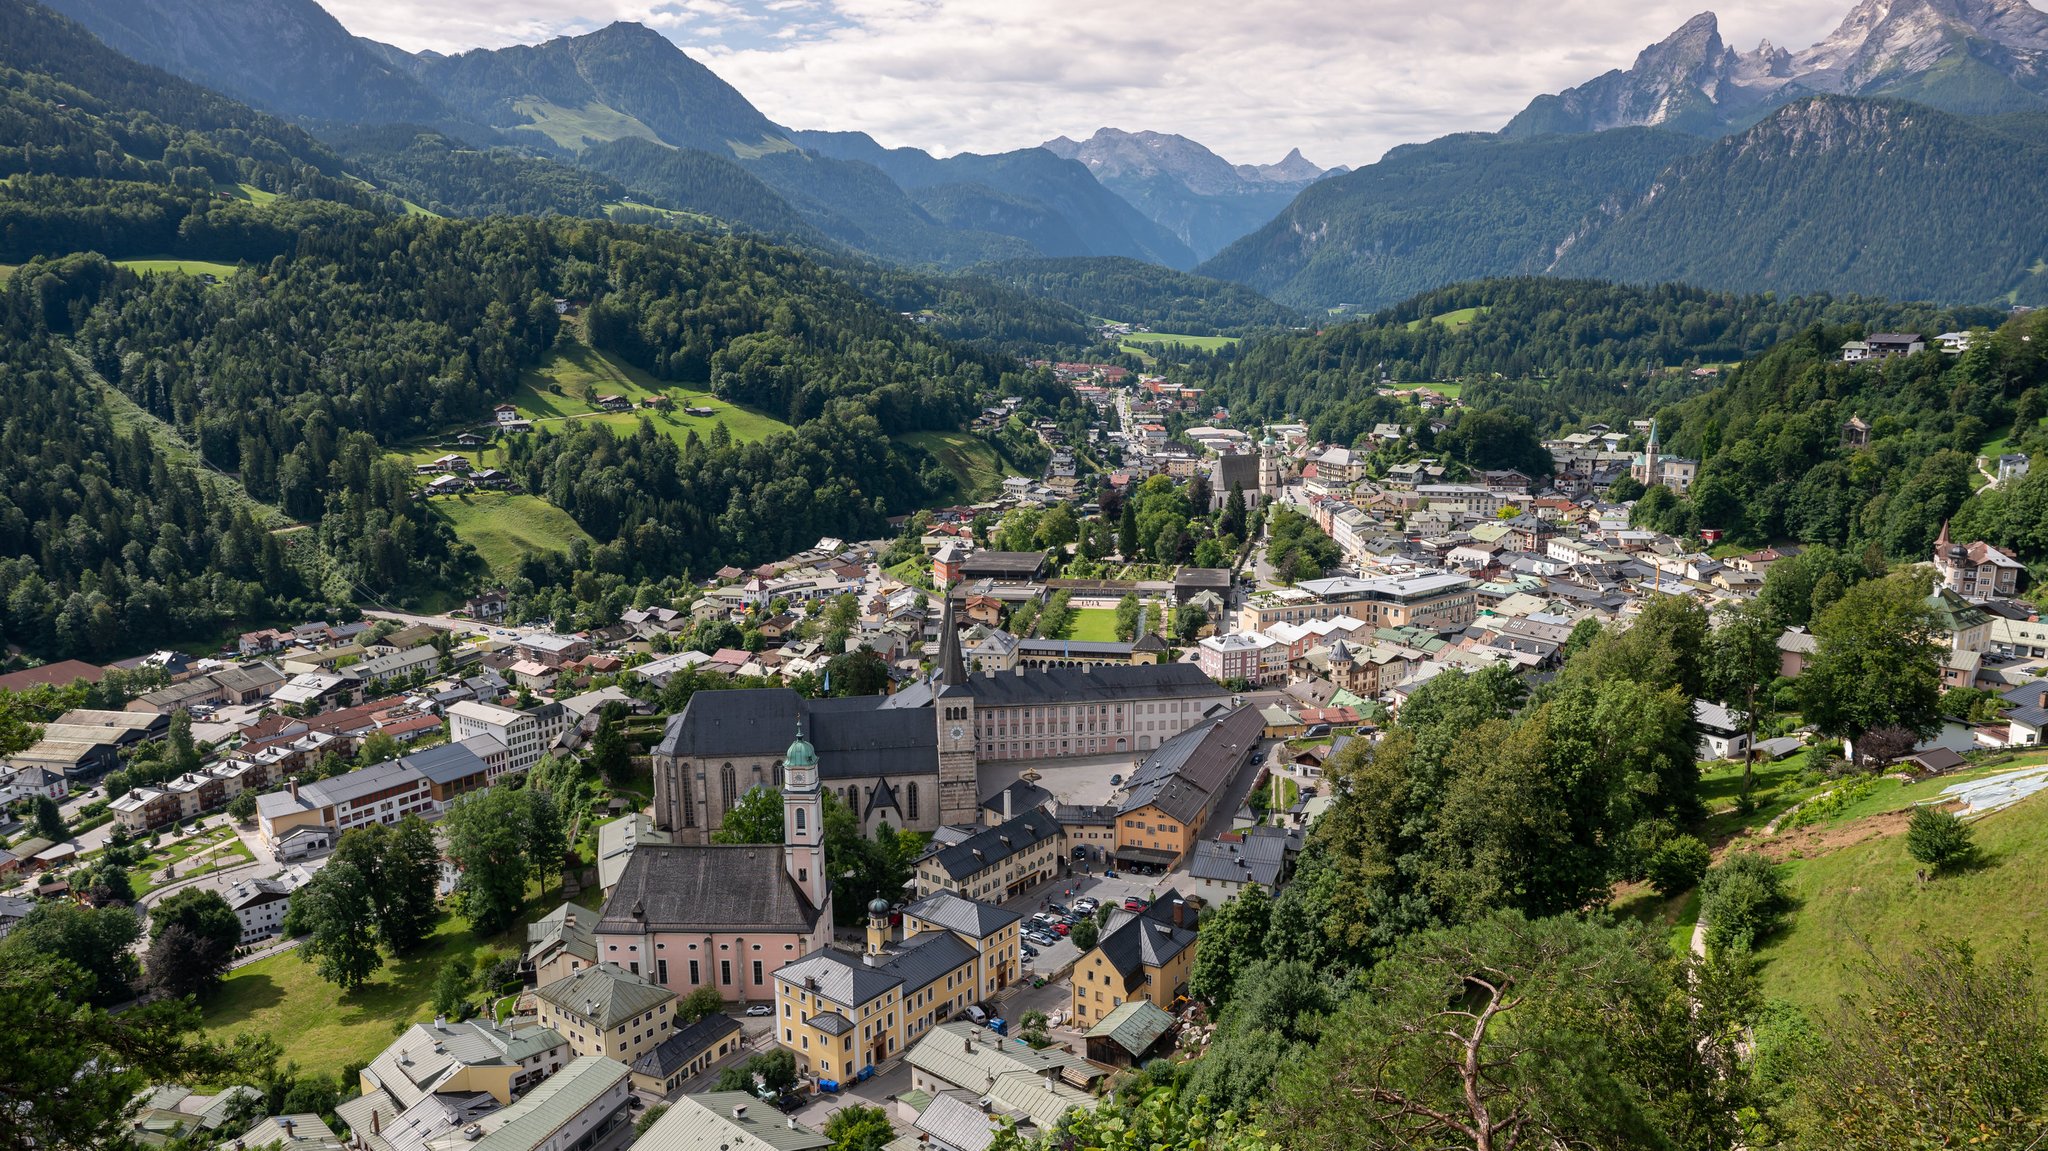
(1823, 839)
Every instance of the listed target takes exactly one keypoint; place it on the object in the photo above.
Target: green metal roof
(535, 1118)
(606, 995)
(1135, 1026)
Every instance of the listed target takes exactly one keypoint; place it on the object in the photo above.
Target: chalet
(506, 414)
(700, 411)
(490, 478)
(447, 485)
(1885, 345)
(614, 403)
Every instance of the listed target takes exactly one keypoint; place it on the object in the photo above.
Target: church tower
(953, 708)
(803, 823)
(1646, 464)
(1269, 470)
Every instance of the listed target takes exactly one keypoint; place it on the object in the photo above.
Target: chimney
(740, 1111)
(294, 786)
(1180, 907)
(376, 1122)
(1006, 804)
(792, 1123)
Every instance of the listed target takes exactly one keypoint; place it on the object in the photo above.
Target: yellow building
(1178, 788)
(1146, 956)
(996, 863)
(838, 1012)
(609, 1011)
(992, 930)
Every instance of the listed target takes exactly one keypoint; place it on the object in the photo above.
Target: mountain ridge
(1966, 56)
(1203, 199)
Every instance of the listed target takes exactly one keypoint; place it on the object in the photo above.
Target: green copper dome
(800, 753)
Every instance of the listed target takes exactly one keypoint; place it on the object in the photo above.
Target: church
(1652, 468)
(685, 916)
(911, 760)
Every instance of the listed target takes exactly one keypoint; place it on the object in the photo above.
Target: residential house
(1975, 570)
(260, 905)
(607, 1010)
(1146, 956)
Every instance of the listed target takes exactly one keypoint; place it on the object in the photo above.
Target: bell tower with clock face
(803, 823)
(959, 781)
(953, 707)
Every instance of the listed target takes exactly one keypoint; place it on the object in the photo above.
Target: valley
(545, 607)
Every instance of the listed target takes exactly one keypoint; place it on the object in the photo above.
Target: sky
(1343, 80)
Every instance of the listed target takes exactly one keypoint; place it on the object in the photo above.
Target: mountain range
(1203, 199)
(598, 99)
(1969, 56)
(1892, 158)
(1889, 158)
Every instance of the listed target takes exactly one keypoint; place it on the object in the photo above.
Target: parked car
(1042, 937)
(1086, 905)
(1029, 951)
(756, 1010)
(974, 1013)
(1062, 927)
(1258, 757)
(1318, 731)
(1134, 904)
(1059, 910)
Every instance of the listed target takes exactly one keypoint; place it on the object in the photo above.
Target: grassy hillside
(976, 465)
(188, 267)
(1866, 892)
(507, 527)
(566, 383)
(1143, 340)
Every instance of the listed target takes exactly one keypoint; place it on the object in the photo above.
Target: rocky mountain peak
(1962, 55)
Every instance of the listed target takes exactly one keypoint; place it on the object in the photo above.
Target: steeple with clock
(803, 822)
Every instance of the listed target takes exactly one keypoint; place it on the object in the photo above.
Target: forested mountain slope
(1844, 195)
(1453, 209)
(1132, 292)
(1560, 352)
(1773, 463)
(287, 56)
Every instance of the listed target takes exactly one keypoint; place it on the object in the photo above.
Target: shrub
(1742, 899)
(1939, 839)
(1678, 864)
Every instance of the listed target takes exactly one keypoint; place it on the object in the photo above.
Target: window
(757, 971)
(661, 971)
(729, 784)
(725, 971)
(799, 819)
(694, 980)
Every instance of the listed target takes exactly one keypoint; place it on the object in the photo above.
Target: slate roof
(1258, 859)
(1148, 939)
(970, 917)
(1184, 776)
(1024, 795)
(988, 847)
(849, 980)
(681, 1048)
(606, 995)
(1110, 684)
(677, 887)
(856, 737)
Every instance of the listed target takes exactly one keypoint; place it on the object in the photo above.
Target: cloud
(1342, 81)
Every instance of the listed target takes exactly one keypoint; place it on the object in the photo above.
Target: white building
(527, 735)
(260, 904)
(1242, 655)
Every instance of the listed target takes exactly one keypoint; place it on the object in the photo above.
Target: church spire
(952, 669)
